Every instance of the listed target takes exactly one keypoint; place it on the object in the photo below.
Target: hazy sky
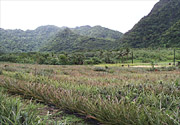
(119, 15)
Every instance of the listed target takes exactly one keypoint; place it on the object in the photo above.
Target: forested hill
(171, 37)
(98, 32)
(68, 41)
(158, 29)
(26, 41)
(32, 40)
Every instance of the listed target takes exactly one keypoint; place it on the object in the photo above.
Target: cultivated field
(105, 95)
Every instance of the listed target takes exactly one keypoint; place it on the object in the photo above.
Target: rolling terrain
(160, 28)
(35, 40)
(69, 41)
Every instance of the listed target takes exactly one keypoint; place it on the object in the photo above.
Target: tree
(63, 60)
(127, 53)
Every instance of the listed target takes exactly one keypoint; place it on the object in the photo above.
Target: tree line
(92, 57)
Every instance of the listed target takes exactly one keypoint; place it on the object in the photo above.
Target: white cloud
(118, 15)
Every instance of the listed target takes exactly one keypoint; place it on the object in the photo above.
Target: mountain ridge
(69, 41)
(98, 32)
(160, 28)
(149, 30)
(32, 40)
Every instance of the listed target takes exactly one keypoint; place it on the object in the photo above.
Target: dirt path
(143, 66)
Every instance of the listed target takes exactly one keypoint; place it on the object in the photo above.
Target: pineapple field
(87, 94)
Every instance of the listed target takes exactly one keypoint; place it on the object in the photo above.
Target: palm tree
(127, 53)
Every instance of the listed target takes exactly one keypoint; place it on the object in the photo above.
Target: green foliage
(14, 112)
(96, 60)
(93, 57)
(98, 32)
(63, 59)
(66, 40)
(69, 41)
(102, 69)
(128, 96)
(26, 41)
(159, 28)
(8, 58)
(77, 59)
(88, 62)
(170, 38)
(171, 68)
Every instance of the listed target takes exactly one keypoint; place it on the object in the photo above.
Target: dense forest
(157, 28)
(98, 32)
(25, 41)
(69, 41)
(35, 40)
(171, 37)
(94, 57)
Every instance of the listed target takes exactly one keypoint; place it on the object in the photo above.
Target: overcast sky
(119, 15)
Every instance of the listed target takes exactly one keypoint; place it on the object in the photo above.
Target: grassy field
(101, 94)
(139, 64)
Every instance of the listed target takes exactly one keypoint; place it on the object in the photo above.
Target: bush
(102, 69)
(88, 62)
(171, 68)
(96, 60)
(63, 59)
(146, 60)
(167, 68)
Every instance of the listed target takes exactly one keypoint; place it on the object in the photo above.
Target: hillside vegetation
(171, 37)
(33, 40)
(157, 28)
(68, 41)
(98, 32)
(25, 41)
(160, 28)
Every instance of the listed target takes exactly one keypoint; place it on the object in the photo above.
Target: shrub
(88, 62)
(171, 68)
(167, 68)
(102, 69)
(96, 60)
(146, 60)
